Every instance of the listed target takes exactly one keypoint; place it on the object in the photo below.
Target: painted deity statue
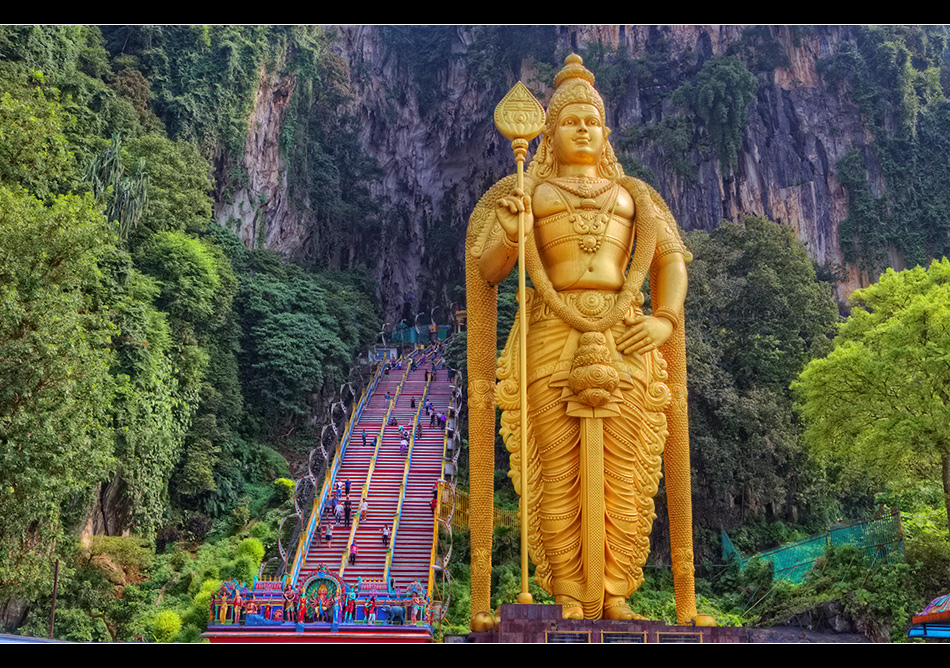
(605, 381)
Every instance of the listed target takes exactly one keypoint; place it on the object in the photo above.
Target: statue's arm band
(508, 243)
(668, 246)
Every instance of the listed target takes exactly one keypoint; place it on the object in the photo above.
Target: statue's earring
(548, 156)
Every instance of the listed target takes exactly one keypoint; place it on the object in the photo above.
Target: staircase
(382, 481)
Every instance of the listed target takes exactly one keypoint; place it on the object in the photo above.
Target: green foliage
(129, 553)
(252, 548)
(872, 593)
(97, 598)
(328, 171)
(612, 68)
(673, 138)
(126, 196)
(706, 112)
(53, 50)
(284, 488)
(179, 184)
(756, 315)
(877, 404)
(121, 354)
(301, 332)
(165, 626)
(865, 235)
(55, 440)
(202, 79)
(929, 556)
(721, 97)
(34, 151)
(150, 412)
(894, 73)
(187, 272)
(655, 599)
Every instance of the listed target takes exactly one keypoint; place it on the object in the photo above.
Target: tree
(756, 314)
(55, 388)
(878, 403)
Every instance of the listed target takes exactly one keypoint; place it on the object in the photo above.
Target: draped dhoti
(596, 468)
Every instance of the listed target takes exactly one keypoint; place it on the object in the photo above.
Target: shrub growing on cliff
(721, 97)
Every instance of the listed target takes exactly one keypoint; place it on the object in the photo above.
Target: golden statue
(605, 383)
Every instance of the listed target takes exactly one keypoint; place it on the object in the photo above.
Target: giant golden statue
(605, 383)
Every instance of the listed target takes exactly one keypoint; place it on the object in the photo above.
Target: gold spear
(519, 117)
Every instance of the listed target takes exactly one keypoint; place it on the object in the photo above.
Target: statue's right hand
(507, 210)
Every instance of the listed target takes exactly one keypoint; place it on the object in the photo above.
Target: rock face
(260, 211)
(438, 161)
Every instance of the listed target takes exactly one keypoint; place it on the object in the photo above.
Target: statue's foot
(570, 607)
(704, 620)
(615, 607)
(483, 621)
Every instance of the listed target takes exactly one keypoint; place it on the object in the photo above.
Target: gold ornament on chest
(588, 219)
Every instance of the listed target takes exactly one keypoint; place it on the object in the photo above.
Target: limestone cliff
(437, 148)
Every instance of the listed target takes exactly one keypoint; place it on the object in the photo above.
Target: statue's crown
(574, 83)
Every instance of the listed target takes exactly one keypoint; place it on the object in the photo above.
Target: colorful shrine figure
(605, 382)
(369, 610)
(350, 615)
(251, 608)
(418, 608)
(290, 603)
(301, 608)
(337, 607)
(224, 604)
(237, 605)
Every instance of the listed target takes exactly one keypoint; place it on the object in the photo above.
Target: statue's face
(579, 135)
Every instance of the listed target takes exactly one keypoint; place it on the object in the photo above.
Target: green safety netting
(419, 334)
(879, 538)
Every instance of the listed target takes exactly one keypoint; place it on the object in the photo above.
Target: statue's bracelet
(668, 314)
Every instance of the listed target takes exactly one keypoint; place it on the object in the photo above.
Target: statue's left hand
(645, 333)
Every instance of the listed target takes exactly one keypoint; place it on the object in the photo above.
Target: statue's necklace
(588, 221)
(583, 186)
